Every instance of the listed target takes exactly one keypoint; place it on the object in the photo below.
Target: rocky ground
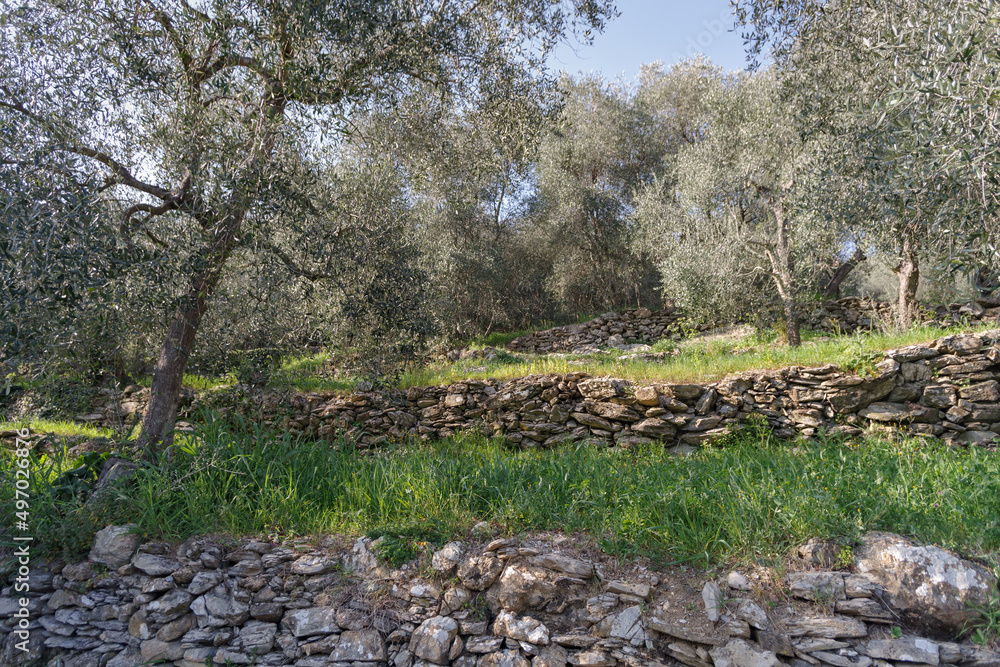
(539, 601)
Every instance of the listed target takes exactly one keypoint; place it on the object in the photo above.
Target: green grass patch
(752, 499)
(59, 427)
(696, 360)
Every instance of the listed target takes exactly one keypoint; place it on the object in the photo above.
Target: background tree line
(440, 187)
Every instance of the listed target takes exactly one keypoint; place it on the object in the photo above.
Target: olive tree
(908, 86)
(197, 118)
(733, 208)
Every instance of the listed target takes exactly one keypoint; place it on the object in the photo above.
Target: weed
(845, 557)
(896, 632)
(985, 627)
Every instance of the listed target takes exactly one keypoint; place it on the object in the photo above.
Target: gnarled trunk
(832, 288)
(164, 396)
(781, 266)
(908, 273)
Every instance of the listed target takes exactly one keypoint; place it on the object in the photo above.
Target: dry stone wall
(642, 326)
(531, 602)
(608, 330)
(948, 388)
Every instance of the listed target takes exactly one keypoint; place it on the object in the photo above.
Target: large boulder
(930, 586)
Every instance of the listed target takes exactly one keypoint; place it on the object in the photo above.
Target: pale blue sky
(666, 30)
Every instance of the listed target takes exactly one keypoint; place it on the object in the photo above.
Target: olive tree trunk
(908, 272)
(780, 256)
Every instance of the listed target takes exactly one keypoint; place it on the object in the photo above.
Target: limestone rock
(524, 629)
(831, 627)
(447, 558)
(572, 566)
(479, 572)
(155, 566)
(929, 584)
(741, 653)
(711, 595)
(817, 586)
(153, 650)
(114, 545)
(360, 645)
(433, 639)
(509, 658)
(311, 621)
(907, 649)
(737, 581)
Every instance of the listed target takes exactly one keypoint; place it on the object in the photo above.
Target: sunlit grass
(62, 428)
(755, 497)
(696, 361)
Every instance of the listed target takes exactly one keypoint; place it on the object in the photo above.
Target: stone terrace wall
(852, 313)
(506, 603)
(948, 388)
(644, 326)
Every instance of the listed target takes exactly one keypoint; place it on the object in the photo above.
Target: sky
(665, 30)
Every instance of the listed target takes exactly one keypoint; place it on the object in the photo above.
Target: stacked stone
(948, 388)
(850, 314)
(641, 325)
(504, 604)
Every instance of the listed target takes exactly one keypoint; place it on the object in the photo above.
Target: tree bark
(832, 288)
(164, 398)
(781, 263)
(908, 273)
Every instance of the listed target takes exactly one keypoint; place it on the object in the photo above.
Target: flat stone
(906, 649)
(865, 608)
(577, 568)
(885, 412)
(360, 645)
(833, 627)
(592, 658)
(816, 586)
(982, 392)
(311, 621)
(741, 653)
(484, 644)
(155, 566)
(711, 595)
(838, 660)
(623, 588)
(313, 565)
(737, 581)
(153, 650)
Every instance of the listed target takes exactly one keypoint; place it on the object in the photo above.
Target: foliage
(753, 498)
(905, 91)
(212, 130)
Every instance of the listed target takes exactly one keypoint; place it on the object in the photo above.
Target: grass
(695, 360)
(752, 499)
(59, 427)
